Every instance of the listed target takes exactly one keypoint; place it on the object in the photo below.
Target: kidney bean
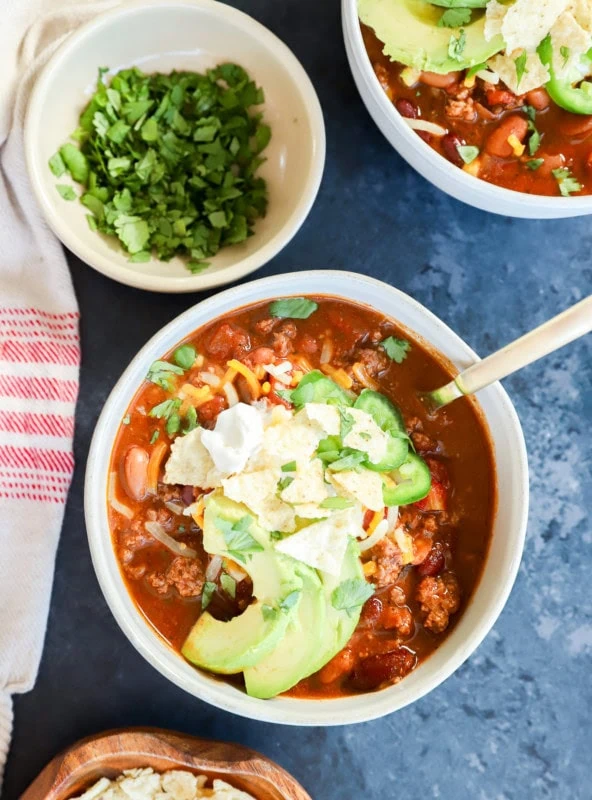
(575, 125)
(497, 144)
(538, 98)
(338, 666)
(134, 475)
(434, 561)
(371, 612)
(373, 671)
(407, 108)
(450, 145)
(439, 81)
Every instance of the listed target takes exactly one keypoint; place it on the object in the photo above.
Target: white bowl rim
(434, 160)
(205, 280)
(287, 711)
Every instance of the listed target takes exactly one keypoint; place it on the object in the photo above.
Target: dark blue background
(514, 722)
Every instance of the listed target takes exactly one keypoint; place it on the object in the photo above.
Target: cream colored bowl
(159, 36)
(502, 562)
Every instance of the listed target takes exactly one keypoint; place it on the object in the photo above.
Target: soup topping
(168, 163)
(297, 530)
(500, 90)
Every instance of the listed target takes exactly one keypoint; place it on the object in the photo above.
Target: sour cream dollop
(237, 436)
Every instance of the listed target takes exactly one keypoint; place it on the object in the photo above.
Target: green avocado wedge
(458, 3)
(339, 624)
(410, 33)
(230, 647)
(297, 653)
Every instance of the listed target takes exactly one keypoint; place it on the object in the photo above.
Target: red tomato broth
(560, 146)
(462, 456)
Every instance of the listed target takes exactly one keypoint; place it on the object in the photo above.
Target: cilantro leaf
(455, 18)
(520, 63)
(347, 423)
(184, 356)
(351, 595)
(237, 537)
(565, 54)
(290, 600)
(349, 459)
(206, 594)
(66, 192)
(293, 308)
(269, 612)
(396, 349)
(535, 163)
(289, 467)
(456, 45)
(566, 181)
(475, 69)
(56, 165)
(162, 374)
(190, 420)
(154, 437)
(228, 583)
(165, 409)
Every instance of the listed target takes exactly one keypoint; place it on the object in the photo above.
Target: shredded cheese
(516, 145)
(248, 375)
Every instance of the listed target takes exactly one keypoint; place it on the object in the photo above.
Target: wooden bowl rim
(184, 751)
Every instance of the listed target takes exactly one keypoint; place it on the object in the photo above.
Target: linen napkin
(39, 359)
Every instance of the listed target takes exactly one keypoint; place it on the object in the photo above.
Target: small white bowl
(433, 166)
(159, 36)
(502, 561)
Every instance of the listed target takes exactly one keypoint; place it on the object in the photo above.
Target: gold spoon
(557, 332)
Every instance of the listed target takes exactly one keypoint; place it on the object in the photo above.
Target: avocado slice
(410, 33)
(339, 625)
(230, 647)
(296, 654)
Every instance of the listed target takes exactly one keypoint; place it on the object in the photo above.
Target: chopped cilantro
(163, 374)
(565, 54)
(228, 583)
(172, 160)
(475, 69)
(283, 483)
(534, 141)
(396, 349)
(289, 467)
(566, 181)
(154, 437)
(190, 420)
(237, 537)
(184, 356)
(206, 594)
(293, 308)
(338, 503)
(347, 423)
(349, 459)
(454, 18)
(350, 595)
(468, 153)
(165, 409)
(521, 70)
(276, 536)
(535, 163)
(285, 394)
(173, 423)
(456, 45)
(66, 192)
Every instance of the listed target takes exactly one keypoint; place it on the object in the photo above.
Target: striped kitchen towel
(39, 361)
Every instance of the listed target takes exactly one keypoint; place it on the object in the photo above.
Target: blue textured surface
(514, 722)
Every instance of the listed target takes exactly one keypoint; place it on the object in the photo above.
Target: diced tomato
(368, 517)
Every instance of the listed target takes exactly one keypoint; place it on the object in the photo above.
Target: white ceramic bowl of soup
(502, 561)
(432, 165)
(161, 36)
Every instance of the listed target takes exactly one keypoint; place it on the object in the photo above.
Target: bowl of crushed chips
(174, 146)
(153, 764)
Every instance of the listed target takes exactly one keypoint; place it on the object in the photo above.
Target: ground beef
(186, 575)
(387, 557)
(131, 539)
(283, 339)
(307, 344)
(399, 619)
(265, 326)
(228, 342)
(375, 361)
(161, 515)
(439, 598)
(134, 571)
(461, 109)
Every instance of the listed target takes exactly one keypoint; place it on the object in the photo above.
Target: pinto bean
(407, 108)
(497, 143)
(134, 474)
(538, 98)
(439, 81)
(575, 125)
(373, 671)
(450, 144)
(550, 162)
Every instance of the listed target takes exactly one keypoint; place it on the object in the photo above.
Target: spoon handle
(557, 332)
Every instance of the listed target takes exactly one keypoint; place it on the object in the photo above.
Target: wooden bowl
(108, 754)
